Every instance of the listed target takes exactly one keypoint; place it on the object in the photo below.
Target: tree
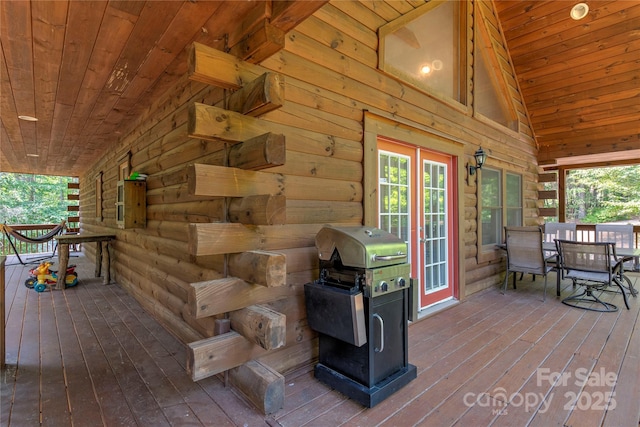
(33, 199)
(603, 194)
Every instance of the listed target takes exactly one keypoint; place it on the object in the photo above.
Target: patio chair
(591, 265)
(526, 255)
(559, 230)
(622, 236)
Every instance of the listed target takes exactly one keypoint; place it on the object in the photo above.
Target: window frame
(464, 60)
(509, 208)
(99, 214)
(483, 46)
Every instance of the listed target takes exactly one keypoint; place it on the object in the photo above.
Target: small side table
(70, 239)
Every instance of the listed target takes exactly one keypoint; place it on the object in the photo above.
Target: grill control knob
(401, 282)
(384, 286)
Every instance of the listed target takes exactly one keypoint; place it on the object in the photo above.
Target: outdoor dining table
(627, 254)
(65, 240)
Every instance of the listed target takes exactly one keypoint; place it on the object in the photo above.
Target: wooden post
(98, 271)
(63, 262)
(562, 206)
(108, 255)
(2, 325)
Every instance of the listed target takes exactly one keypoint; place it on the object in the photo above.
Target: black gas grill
(359, 307)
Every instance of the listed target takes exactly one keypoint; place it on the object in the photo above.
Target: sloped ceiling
(580, 79)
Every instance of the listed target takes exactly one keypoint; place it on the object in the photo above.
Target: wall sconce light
(480, 157)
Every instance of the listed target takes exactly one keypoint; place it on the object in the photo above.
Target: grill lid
(361, 247)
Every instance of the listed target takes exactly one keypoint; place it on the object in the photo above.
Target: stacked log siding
(329, 63)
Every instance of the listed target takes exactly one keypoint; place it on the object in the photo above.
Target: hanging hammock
(10, 232)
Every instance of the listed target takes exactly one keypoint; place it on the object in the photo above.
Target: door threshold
(437, 308)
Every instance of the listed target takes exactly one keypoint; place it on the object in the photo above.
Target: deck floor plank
(91, 355)
(164, 352)
(435, 360)
(80, 392)
(480, 382)
(53, 390)
(478, 356)
(140, 400)
(110, 398)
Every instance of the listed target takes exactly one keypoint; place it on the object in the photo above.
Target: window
(491, 211)
(424, 49)
(99, 197)
(394, 194)
(124, 167)
(490, 92)
(514, 200)
(500, 204)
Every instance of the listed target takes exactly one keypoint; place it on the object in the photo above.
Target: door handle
(381, 324)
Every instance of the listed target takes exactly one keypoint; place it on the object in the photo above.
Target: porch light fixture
(480, 157)
(579, 11)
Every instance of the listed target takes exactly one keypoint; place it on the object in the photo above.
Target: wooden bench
(71, 239)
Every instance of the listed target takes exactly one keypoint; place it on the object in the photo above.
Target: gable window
(490, 92)
(500, 204)
(424, 48)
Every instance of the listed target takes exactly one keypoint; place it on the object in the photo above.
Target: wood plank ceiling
(88, 69)
(580, 78)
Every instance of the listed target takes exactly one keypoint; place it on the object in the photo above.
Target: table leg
(63, 263)
(98, 259)
(107, 264)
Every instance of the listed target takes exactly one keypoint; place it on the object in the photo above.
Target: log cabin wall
(190, 245)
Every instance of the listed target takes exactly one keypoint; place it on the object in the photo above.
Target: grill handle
(389, 257)
(381, 323)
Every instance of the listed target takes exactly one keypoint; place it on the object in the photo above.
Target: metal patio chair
(622, 236)
(526, 255)
(592, 266)
(559, 230)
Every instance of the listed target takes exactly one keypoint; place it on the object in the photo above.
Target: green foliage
(33, 199)
(604, 194)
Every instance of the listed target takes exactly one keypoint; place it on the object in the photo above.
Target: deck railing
(32, 231)
(587, 233)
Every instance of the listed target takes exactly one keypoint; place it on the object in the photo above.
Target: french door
(416, 203)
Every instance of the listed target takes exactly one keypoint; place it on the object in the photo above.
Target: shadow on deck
(90, 355)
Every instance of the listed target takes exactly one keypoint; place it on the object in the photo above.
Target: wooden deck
(90, 356)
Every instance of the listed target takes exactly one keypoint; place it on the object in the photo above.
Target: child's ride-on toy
(42, 276)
